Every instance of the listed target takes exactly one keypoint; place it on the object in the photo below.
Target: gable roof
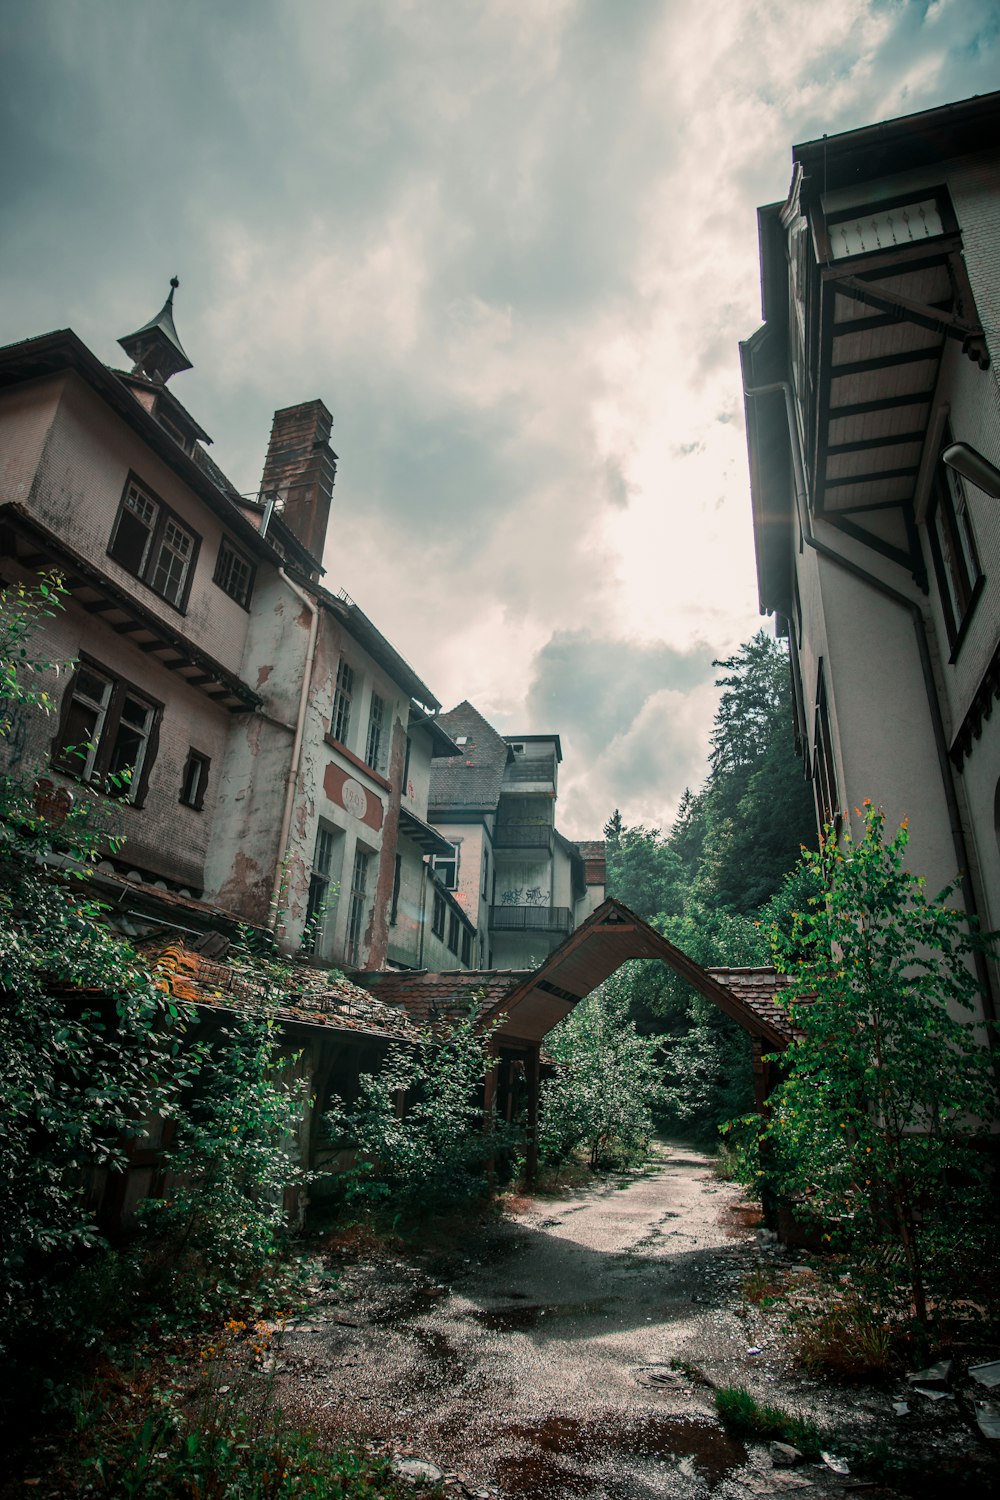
(471, 779)
(609, 937)
(527, 1004)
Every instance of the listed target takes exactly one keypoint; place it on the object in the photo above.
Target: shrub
(889, 1092)
(420, 1126)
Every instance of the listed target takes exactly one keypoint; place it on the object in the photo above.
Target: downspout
(926, 666)
(292, 778)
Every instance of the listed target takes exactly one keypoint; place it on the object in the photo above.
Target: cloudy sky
(512, 244)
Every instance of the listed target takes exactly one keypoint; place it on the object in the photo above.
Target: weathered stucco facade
(880, 560)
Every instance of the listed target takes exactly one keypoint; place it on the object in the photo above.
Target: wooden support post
(531, 1068)
(489, 1105)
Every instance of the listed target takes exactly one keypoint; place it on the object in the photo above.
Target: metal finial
(175, 282)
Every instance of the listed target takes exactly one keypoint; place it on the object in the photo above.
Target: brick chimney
(299, 472)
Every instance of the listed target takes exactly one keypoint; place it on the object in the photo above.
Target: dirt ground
(575, 1353)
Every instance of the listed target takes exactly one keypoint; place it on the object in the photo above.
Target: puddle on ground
(533, 1315)
(410, 1303)
(698, 1446)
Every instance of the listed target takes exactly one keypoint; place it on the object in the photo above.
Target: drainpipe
(292, 778)
(923, 651)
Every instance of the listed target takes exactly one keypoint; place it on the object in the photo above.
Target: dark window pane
(130, 542)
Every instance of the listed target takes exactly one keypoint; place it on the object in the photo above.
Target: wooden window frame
(442, 862)
(343, 695)
(148, 564)
(320, 881)
(824, 777)
(454, 932)
(438, 915)
(96, 764)
(204, 762)
(376, 728)
(358, 903)
(953, 549)
(222, 577)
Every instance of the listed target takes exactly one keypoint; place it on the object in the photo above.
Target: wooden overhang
(885, 317)
(39, 549)
(608, 938)
(426, 838)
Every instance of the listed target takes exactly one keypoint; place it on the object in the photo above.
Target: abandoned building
(521, 881)
(873, 425)
(281, 755)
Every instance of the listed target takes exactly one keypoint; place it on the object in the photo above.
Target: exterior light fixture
(973, 466)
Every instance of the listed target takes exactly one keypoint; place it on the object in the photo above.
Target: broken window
(446, 868)
(194, 782)
(150, 542)
(107, 733)
(234, 573)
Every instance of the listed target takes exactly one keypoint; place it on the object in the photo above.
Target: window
(454, 928)
(466, 947)
(341, 723)
(319, 890)
(194, 782)
(396, 876)
(405, 789)
(356, 914)
(234, 573)
(824, 774)
(107, 733)
(437, 920)
(953, 549)
(150, 542)
(446, 868)
(373, 745)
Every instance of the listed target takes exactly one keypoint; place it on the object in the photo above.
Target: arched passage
(526, 1005)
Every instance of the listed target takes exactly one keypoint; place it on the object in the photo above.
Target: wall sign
(348, 793)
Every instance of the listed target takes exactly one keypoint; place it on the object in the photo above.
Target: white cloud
(513, 246)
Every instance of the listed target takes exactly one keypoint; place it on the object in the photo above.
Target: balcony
(531, 771)
(523, 836)
(531, 918)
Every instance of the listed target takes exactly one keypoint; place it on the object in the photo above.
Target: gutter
(292, 779)
(926, 667)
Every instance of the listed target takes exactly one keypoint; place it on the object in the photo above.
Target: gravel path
(575, 1355)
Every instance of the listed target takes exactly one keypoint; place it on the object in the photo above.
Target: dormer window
(179, 437)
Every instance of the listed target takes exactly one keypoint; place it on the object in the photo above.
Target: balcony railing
(541, 768)
(523, 836)
(530, 918)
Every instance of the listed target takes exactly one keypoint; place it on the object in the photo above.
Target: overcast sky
(512, 244)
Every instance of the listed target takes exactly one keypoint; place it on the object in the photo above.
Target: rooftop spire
(155, 347)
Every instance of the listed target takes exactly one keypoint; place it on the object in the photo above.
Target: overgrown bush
(419, 1126)
(606, 1083)
(880, 1125)
(92, 1049)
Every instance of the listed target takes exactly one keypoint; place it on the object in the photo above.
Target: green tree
(606, 1082)
(890, 1086)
